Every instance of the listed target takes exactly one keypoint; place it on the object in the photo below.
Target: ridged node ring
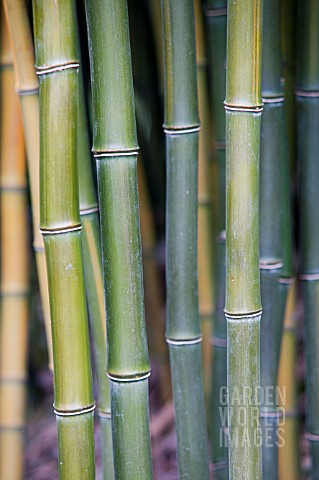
(56, 68)
(218, 342)
(87, 211)
(75, 412)
(241, 317)
(128, 379)
(104, 414)
(61, 230)
(240, 108)
(184, 342)
(125, 153)
(215, 12)
(312, 437)
(181, 131)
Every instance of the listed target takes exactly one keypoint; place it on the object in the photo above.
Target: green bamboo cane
(92, 258)
(307, 96)
(14, 288)
(274, 212)
(288, 45)
(183, 329)
(243, 308)
(27, 86)
(115, 145)
(57, 67)
(216, 24)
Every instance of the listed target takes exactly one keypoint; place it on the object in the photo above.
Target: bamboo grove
(165, 154)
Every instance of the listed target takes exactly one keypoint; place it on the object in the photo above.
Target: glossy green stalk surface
(115, 145)
(181, 126)
(243, 307)
(57, 67)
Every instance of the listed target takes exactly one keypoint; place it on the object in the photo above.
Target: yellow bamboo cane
(14, 273)
(289, 461)
(27, 87)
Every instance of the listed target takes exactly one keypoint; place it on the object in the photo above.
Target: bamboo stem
(307, 104)
(115, 145)
(57, 68)
(27, 87)
(14, 273)
(216, 25)
(243, 308)
(183, 332)
(92, 259)
(275, 228)
(289, 458)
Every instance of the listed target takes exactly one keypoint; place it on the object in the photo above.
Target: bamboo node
(304, 93)
(88, 211)
(72, 413)
(270, 265)
(104, 414)
(309, 276)
(29, 91)
(242, 317)
(286, 280)
(135, 378)
(17, 428)
(218, 342)
(57, 231)
(219, 465)
(312, 437)
(18, 380)
(215, 12)
(56, 68)
(243, 108)
(221, 238)
(178, 343)
(124, 153)
(218, 145)
(13, 293)
(13, 188)
(279, 99)
(38, 248)
(181, 130)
